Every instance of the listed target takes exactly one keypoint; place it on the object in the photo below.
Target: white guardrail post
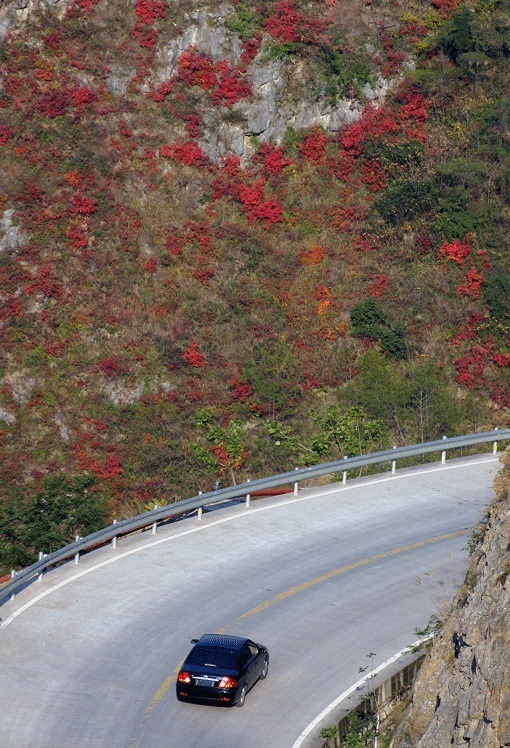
(248, 495)
(344, 475)
(394, 463)
(443, 454)
(187, 507)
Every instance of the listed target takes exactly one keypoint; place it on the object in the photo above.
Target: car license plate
(209, 682)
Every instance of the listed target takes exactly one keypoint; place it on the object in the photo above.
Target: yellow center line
(343, 569)
(163, 689)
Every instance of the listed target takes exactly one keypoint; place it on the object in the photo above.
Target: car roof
(222, 641)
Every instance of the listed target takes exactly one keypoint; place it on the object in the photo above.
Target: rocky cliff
(462, 695)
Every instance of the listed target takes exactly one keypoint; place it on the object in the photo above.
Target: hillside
(462, 695)
(239, 238)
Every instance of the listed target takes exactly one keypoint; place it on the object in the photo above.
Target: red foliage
(469, 330)
(150, 266)
(86, 6)
(174, 245)
(224, 82)
(55, 348)
(188, 153)
(312, 256)
(6, 134)
(46, 283)
(445, 7)
(111, 367)
(53, 104)
(194, 357)
(471, 288)
(84, 205)
(195, 69)
(286, 24)
(471, 367)
(313, 147)
(240, 390)
(378, 286)
(250, 48)
(81, 96)
(149, 11)
(193, 122)
(77, 237)
(456, 251)
(272, 158)
(144, 35)
(256, 206)
(230, 86)
(163, 90)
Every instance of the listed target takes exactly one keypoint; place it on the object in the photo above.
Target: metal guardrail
(182, 508)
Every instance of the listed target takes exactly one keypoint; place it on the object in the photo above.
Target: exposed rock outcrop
(462, 694)
(279, 99)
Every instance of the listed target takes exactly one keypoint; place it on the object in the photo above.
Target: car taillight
(227, 682)
(184, 677)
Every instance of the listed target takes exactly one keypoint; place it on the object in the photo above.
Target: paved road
(88, 655)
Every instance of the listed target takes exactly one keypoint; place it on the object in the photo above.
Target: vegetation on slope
(168, 320)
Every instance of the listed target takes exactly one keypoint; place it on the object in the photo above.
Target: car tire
(264, 669)
(242, 697)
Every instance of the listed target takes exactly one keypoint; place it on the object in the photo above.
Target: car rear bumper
(198, 693)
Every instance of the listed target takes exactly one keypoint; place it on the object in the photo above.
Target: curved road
(88, 655)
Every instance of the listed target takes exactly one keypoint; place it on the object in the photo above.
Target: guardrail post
(296, 485)
(495, 444)
(344, 474)
(77, 554)
(443, 454)
(394, 464)
(248, 495)
(154, 524)
(114, 539)
(13, 573)
(200, 509)
(40, 575)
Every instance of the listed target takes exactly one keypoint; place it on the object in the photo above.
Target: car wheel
(264, 669)
(242, 696)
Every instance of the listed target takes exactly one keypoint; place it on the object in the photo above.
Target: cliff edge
(462, 694)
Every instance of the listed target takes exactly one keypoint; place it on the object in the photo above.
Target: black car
(221, 669)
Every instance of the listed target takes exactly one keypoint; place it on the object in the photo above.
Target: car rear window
(214, 657)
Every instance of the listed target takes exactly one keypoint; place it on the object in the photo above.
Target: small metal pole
(296, 485)
(13, 573)
(495, 444)
(248, 495)
(199, 513)
(77, 554)
(393, 464)
(443, 454)
(344, 474)
(114, 539)
(41, 556)
(155, 524)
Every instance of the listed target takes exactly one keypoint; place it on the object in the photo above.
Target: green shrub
(405, 200)
(244, 21)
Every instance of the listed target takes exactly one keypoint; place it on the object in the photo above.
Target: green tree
(61, 509)
(225, 451)
(274, 374)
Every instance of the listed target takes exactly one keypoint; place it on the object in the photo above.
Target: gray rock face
(266, 116)
(462, 695)
(15, 12)
(11, 237)
(271, 109)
